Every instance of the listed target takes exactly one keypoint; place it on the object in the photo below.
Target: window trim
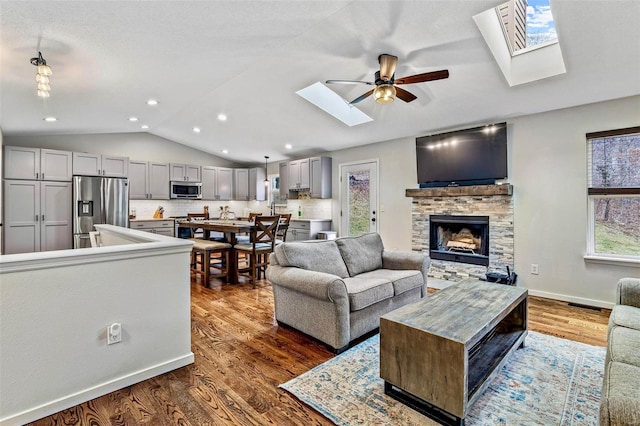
(594, 194)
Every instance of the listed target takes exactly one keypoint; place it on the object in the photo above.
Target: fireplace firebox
(462, 239)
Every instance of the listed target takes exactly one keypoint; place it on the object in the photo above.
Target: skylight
(527, 24)
(522, 38)
(330, 102)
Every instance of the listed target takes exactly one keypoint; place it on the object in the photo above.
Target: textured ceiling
(247, 59)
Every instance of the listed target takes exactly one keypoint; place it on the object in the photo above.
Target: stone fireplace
(466, 230)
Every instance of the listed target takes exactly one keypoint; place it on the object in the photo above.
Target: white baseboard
(74, 399)
(572, 299)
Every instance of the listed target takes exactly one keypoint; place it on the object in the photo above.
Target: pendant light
(266, 179)
(42, 77)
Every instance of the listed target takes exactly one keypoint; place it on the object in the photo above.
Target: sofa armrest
(399, 260)
(628, 292)
(318, 285)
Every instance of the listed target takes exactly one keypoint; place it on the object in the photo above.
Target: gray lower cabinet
(37, 164)
(157, 226)
(148, 180)
(217, 183)
(302, 230)
(37, 216)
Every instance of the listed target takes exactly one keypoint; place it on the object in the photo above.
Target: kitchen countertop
(304, 219)
(151, 218)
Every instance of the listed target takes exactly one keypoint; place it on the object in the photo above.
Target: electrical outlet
(114, 333)
(534, 268)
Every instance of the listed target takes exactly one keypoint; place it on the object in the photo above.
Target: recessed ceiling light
(225, 151)
(196, 129)
(288, 146)
(133, 118)
(222, 117)
(144, 126)
(50, 119)
(152, 102)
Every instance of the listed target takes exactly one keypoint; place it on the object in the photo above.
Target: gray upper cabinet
(284, 180)
(37, 216)
(37, 164)
(148, 180)
(86, 164)
(257, 188)
(217, 183)
(299, 174)
(320, 177)
(241, 184)
(185, 172)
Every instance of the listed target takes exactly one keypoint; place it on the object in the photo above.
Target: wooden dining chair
(281, 235)
(261, 244)
(245, 237)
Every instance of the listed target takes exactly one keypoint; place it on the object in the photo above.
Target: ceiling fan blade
(362, 97)
(387, 66)
(349, 82)
(404, 95)
(427, 76)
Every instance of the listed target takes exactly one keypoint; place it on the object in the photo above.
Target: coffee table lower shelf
(421, 406)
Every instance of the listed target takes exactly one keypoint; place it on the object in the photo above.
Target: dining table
(230, 228)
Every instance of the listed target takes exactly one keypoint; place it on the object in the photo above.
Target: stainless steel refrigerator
(98, 200)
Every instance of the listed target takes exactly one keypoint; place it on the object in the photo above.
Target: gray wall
(547, 167)
(136, 146)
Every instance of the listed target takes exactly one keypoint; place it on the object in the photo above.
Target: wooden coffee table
(437, 355)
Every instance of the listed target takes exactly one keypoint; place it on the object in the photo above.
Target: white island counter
(55, 308)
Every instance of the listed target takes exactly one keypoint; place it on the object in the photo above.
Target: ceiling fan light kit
(384, 94)
(42, 76)
(385, 82)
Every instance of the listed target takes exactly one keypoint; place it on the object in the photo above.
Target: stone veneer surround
(495, 201)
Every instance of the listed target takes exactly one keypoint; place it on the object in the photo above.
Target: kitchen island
(55, 308)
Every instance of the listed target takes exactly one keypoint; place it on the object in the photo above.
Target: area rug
(551, 381)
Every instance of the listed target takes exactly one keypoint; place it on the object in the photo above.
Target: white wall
(549, 175)
(547, 167)
(136, 146)
(397, 172)
(54, 311)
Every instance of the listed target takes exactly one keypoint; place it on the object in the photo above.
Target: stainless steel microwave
(190, 190)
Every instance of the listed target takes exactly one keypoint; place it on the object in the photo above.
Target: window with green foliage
(614, 192)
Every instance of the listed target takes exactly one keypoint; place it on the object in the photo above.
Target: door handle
(37, 217)
(373, 212)
(43, 218)
(37, 174)
(373, 219)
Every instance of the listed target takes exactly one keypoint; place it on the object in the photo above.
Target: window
(614, 193)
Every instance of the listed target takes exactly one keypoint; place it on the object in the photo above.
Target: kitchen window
(614, 195)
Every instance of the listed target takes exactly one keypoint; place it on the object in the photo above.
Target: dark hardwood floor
(241, 356)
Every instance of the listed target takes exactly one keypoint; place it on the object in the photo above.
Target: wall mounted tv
(475, 156)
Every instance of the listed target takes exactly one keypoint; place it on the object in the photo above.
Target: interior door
(358, 198)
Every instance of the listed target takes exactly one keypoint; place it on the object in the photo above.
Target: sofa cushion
(319, 256)
(620, 404)
(362, 253)
(365, 292)
(624, 346)
(625, 316)
(402, 280)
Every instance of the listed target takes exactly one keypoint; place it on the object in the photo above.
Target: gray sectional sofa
(336, 290)
(620, 400)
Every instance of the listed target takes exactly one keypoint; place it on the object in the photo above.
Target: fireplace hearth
(462, 239)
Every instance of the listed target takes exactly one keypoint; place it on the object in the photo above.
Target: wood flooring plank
(241, 356)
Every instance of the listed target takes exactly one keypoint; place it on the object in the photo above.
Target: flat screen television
(475, 156)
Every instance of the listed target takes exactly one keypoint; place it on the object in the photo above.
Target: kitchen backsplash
(311, 209)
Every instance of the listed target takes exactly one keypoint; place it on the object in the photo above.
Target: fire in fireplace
(459, 239)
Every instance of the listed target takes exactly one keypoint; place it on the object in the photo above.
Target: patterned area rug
(550, 381)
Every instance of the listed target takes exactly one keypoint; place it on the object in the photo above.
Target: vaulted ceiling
(247, 59)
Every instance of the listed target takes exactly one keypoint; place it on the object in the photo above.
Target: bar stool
(204, 257)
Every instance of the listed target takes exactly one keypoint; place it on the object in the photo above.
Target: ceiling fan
(386, 91)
